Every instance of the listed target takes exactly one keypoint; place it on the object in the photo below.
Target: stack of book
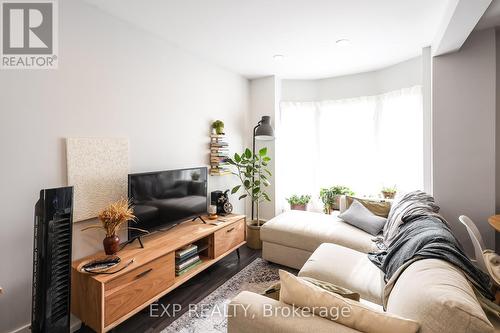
(219, 151)
(186, 258)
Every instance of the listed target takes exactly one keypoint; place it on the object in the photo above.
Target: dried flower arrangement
(113, 218)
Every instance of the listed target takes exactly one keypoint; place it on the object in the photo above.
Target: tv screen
(165, 198)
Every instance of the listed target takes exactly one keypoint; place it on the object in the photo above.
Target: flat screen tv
(163, 199)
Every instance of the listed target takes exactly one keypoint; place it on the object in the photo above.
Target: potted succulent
(299, 202)
(113, 218)
(389, 192)
(331, 197)
(218, 125)
(253, 173)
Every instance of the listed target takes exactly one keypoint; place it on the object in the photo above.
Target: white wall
(464, 134)
(402, 75)
(113, 81)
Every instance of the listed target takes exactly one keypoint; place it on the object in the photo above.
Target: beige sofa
(290, 238)
(431, 292)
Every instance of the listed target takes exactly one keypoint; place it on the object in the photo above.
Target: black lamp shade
(265, 131)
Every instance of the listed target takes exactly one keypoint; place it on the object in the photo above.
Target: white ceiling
(243, 36)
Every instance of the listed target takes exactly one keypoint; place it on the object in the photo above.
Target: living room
(209, 159)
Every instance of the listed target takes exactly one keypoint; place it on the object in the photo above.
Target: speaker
(50, 309)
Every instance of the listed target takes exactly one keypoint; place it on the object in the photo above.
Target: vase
(298, 207)
(253, 234)
(388, 195)
(111, 244)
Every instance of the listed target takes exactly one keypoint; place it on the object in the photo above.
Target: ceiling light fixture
(278, 57)
(343, 41)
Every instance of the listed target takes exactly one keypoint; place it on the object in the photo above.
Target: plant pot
(253, 234)
(111, 244)
(298, 207)
(388, 195)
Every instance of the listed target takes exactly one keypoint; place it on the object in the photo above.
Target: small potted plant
(331, 197)
(299, 202)
(218, 126)
(113, 218)
(254, 175)
(389, 192)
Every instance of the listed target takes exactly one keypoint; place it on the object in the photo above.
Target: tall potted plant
(331, 197)
(253, 173)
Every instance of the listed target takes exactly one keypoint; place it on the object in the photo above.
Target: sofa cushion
(303, 294)
(308, 230)
(379, 207)
(346, 268)
(437, 295)
(361, 217)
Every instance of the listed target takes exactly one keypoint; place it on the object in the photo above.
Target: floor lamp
(262, 132)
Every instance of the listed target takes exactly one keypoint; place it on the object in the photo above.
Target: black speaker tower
(52, 261)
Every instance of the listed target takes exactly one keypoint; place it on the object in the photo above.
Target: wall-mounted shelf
(219, 150)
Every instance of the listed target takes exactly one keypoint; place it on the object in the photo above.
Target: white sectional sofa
(290, 238)
(432, 292)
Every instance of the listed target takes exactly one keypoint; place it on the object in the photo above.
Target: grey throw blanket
(423, 237)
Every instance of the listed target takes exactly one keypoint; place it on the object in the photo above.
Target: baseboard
(74, 326)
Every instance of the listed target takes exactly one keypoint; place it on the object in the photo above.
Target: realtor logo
(29, 34)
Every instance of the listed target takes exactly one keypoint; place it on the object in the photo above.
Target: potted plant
(218, 125)
(299, 202)
(331, 197)
(389, 192)
(112, 219)
(253, 174)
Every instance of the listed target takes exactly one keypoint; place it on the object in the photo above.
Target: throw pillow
(411, 204)
(274, 290)
(377, 207)
(303, 294)
(360, 217)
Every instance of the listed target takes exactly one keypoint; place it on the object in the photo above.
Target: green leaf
(264, 194)
(263, 152)
(268, 172)
(266, 159)
(256, 190)
(237, 158)
(264, 163)
(246, 183)
(248, 153)
(257, 182)
(242, 196)
(235, 189)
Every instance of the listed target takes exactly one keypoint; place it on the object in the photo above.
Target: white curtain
(364, 143)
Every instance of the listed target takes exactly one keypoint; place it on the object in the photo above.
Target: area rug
(208, 316)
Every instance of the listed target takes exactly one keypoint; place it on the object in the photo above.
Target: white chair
(477, 241)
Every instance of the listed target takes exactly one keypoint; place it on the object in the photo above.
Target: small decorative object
(331, 197)
(299, 202)
(221, 201)
(113, 218)
(212, 212)
(218, 125)
(101, 264)
(252, 170)
(389, 192)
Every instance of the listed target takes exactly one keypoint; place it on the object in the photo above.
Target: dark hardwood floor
(191, 292)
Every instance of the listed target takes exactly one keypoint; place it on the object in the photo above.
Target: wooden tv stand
(103, 301)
